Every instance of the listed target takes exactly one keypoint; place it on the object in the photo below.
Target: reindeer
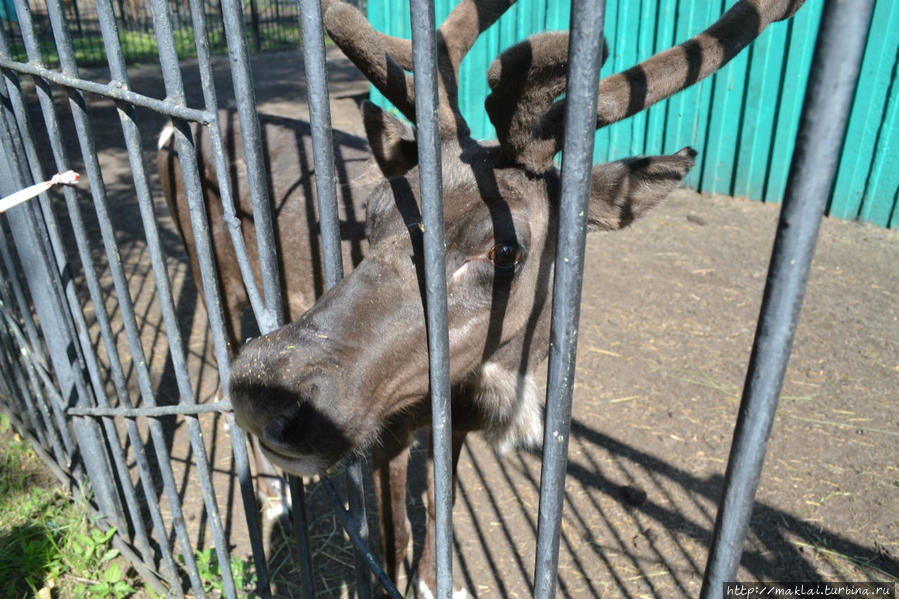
(350, 373)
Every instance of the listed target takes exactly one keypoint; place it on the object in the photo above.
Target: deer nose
(294, 418)
(287, 423)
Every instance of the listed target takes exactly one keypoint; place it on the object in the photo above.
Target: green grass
(210, 571)
(140, 46)
(49, 545)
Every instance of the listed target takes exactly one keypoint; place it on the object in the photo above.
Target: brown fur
(350, 373)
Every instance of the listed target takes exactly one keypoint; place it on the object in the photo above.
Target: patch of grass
(139, 46)
(136, 45)
(211, 573)
(49, 545)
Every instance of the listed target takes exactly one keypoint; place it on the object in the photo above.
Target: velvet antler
(384, 59)
(527, 78)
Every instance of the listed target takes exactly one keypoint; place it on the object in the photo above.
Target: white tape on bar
(66, 178)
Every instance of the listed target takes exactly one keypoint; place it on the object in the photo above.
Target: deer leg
(389, 470)
(427, 567)
(270, 488)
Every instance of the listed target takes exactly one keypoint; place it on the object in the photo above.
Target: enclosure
(666, 328)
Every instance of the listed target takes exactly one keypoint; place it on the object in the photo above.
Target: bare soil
(668, 317)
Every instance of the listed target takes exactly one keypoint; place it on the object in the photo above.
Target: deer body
(288, 153)
(350, 374)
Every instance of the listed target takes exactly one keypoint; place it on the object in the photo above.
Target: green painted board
(687, 123)
(762, 93)
(801, 33)
(743, 120)
(850, 199)
(664, 37)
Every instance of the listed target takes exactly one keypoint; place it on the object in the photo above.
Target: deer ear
(392, 141)
(623, 191)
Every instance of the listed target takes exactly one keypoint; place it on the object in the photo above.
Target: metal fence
(65, 376)
(271, 25)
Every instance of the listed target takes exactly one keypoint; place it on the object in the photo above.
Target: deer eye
(504, 255)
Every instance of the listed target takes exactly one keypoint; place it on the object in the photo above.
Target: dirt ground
(667, 323)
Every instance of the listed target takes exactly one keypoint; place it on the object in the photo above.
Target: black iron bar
(835, 66)
(263, 316)
(66, 55)
(60, 439)
(322, 144)
(585, 53)
(154, 412)
(301, 530)
(15, 380)
(316, 72)
(168, 60)
(424, 57)
(58, 298)
(110, 90)
(260, 193)
(265, 319)
(346, 519)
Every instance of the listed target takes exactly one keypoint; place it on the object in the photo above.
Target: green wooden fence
(743, 120)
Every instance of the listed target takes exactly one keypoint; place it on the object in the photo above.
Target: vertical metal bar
(301, 530)
(46, 253)
(7, 128)
(323, 157)
(320, 121)
(323, 160)
(238, 438)
(835, 68)
(207, 84)
(256, 172)
(12, 357)
(584, 52)
(61, 440)
(250, 509)
(174, 87)
(59, 437)
(257, 180)
(356, 502)
(361, 547)
(424, 57)
(127, 310)
(117, 452)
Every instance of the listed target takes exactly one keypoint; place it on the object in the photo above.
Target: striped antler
(385, 60)
(527, 79)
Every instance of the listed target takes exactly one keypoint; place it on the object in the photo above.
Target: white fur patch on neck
(512, 410)
(425, 593)
(165, 135)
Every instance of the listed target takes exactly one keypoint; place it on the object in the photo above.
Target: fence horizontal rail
(154, 412)
(111, 90)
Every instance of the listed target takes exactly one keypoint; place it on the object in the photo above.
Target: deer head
(354, 368)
